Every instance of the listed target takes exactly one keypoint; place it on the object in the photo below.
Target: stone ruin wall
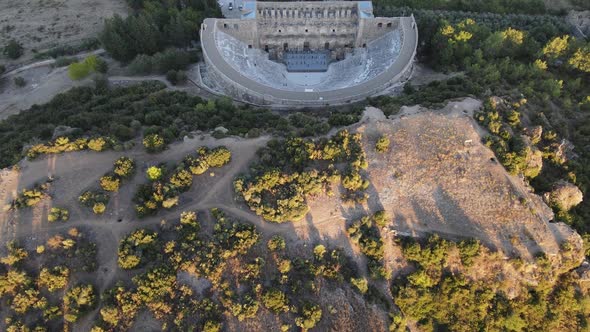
(335, 26)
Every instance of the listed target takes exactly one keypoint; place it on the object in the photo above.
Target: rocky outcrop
(564, 196)
(534, 133)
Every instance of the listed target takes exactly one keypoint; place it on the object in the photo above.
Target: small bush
(277, 242)
(64, 61)
(382, 144)
(58, 214)
(13, 49)
(153, 143)
(20, 82)
(153, 173)
(124, 167)
(110, 183)
(275, 301)
(99, 208)
(80, 70)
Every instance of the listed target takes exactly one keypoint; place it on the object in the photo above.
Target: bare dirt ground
(43, 83)
(43, 24)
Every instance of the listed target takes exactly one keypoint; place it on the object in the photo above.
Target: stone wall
(331, 25)
(244, 30)
(373, 28)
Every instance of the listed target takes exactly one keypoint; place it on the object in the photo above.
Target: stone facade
(338, 26)
(275, 27)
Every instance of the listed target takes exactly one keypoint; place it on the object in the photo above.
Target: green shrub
(276, 243)
(99, 208)
(382, 144)
(13, 49)
(275, 301)
(153, 143)
(19, 81)
(64, 61)
(58, 214)
(361, 284)
(78, 301)
(124, 167)
(310, 316)
(110, 183)
(80, 70)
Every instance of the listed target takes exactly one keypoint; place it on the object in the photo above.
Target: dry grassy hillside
(43, 24)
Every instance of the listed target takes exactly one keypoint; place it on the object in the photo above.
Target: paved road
(403, 61)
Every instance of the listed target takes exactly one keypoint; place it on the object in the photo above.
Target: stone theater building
(306, 53)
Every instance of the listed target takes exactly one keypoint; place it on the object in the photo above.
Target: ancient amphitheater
(306, 53)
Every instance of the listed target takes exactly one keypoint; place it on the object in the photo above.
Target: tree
(55, 278)
(153, 143)
(581, 60)
(319, 251)
(154, 173)
(15, 254)
(57, 213)
(77, 301)
(110, 183)
(277, 242)
(556, 47)
(275, 301)
(13, 49)
(97, 144)
(310, 316)
(124, 167)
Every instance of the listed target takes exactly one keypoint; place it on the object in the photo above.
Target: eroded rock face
(534, 158)
(534, 133)
(563, 151)
(564, 196)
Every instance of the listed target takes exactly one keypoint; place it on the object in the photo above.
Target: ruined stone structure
(248, 58)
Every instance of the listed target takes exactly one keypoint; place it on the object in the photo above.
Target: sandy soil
(43, 24)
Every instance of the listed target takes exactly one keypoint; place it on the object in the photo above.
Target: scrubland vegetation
(168, 182)
(291, 170)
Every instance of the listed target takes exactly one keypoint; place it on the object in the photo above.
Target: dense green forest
(155, 25)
